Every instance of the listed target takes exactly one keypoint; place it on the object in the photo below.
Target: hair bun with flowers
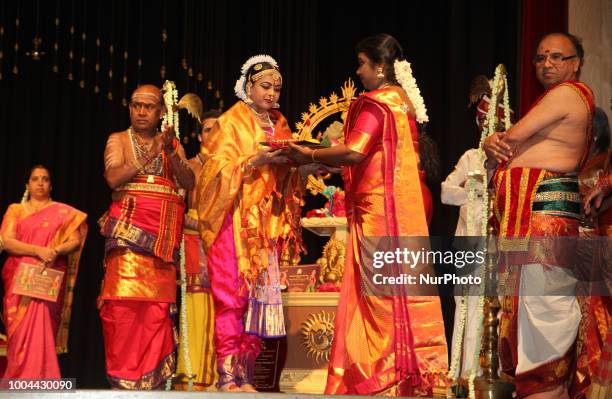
(403, 74)
(240, 87)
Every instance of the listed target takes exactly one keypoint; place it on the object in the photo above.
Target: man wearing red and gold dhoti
(391, 345)
(143, 229)
(198, 300)
(536, 212)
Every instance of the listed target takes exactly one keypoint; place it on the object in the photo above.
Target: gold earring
(276, 105)
(379, 73)
(248, 97)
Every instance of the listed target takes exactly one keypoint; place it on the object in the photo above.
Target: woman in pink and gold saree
(249, 209)
(39, 231)
(392, 345)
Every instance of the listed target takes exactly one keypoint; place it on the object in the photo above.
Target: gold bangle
(312, 155)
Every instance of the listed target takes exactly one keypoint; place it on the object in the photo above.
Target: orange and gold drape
(264, 202)
(386, 345)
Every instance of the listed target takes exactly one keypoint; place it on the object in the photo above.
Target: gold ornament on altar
(289, 256)
(316, 185)
(331, 264)
(317, 335)
(327, 107)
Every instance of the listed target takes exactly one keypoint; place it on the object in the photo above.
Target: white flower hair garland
(239, 88)
(403, 74)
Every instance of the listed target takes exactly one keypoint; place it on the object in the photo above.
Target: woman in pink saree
(39, 231)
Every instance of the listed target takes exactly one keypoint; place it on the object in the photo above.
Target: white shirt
(455, 191)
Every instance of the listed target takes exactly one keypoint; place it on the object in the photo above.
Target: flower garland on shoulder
(403, 74)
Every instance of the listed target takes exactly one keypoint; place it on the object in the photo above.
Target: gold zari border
(557, 196)
(155, 188)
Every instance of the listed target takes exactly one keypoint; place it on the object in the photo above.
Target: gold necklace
(39, 207)
(263, 116)
(142, 142)
(155, 167)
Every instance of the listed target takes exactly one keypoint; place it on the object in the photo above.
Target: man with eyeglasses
(143, 228)
(537, 202)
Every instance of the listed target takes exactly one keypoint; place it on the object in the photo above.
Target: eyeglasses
(146, 106)
(555, 58)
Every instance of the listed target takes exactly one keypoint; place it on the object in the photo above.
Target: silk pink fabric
(31, 339)
(230, 296)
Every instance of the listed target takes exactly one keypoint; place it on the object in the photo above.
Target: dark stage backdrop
(47, 118)
(538, 17)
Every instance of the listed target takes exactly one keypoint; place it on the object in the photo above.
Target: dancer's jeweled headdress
(252, 70)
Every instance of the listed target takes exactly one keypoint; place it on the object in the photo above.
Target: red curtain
(539, 16)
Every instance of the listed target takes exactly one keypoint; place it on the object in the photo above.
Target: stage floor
(115, 394)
